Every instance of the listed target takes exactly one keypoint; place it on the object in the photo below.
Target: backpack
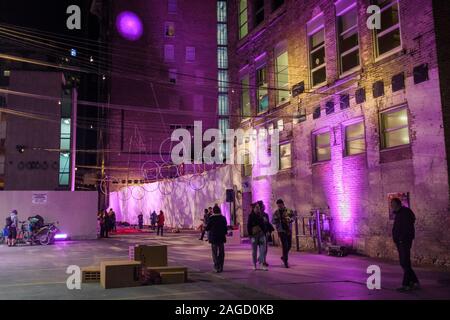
(8, 222)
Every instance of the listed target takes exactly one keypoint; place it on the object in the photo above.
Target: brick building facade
(166, 79)
(360, 113)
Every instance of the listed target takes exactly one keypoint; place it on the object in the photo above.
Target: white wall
(184, 206)
(76, 212)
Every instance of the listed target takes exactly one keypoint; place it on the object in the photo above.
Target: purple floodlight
(129, 25)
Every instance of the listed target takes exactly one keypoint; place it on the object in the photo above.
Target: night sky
(50, 16)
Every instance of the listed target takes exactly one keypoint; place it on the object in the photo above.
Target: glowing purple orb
(129, 25)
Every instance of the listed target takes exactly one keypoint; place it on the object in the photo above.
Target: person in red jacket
(161, 221)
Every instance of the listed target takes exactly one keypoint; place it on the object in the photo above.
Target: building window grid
(346, 34)
(355, 143)
(389, 30)
(222, 65)
(322, 146)
(282, 77)
(243, 18)
(285, 156)
(262, 92)
(397, 131)
(313, 50)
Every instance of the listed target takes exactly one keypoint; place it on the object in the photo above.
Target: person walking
(107, 223)
(12, 230)
(7, 232)
(205, 223)
(141, 221)
(112, 218)
(101, 222)
(257, 231)
(403, 234)
(282, 219)
(153, 220)
(268, 230)
(161, 221)
(217, 231)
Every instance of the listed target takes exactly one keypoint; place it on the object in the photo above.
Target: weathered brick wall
(355, 188)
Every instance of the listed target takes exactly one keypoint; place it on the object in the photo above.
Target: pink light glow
(61, 236)
(129, 25)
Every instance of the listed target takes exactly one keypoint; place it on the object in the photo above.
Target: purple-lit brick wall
(140, 64)
(354, 189)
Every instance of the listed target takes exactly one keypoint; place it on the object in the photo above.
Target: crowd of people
(259, 228)
(260, 231)
(107, 222)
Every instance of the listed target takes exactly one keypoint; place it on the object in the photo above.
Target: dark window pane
(389, 41)
(350, 61)
(318, 58)
(348, 41)
(276, 4)
(319, 76)
(259, 12)
(389, 17)
(317, 39)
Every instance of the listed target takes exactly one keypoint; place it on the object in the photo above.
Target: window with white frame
(169, 52)
(395, 128)
(322, 148)
(355, 142)
(348, 37)
(190, 54)
(317, 58)
(388, 38)
(285, 156)
(262, 92)
(245, 97)
(282, 76)
(243, 18)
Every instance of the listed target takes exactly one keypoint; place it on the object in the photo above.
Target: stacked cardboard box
(90, 274)
(150, 256)
(120, 274)
(167, 272)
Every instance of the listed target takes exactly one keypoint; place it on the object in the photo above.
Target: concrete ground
(38, 272)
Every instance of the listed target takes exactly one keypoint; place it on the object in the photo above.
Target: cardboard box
(120, 274)
(90, 274)
(161, 270)
(150, 256)
(172, 277)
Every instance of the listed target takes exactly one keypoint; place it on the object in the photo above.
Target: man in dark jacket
(282, 219)
(217, 232)
(403, 234)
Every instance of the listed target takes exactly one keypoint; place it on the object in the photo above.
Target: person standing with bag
(257, 231)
